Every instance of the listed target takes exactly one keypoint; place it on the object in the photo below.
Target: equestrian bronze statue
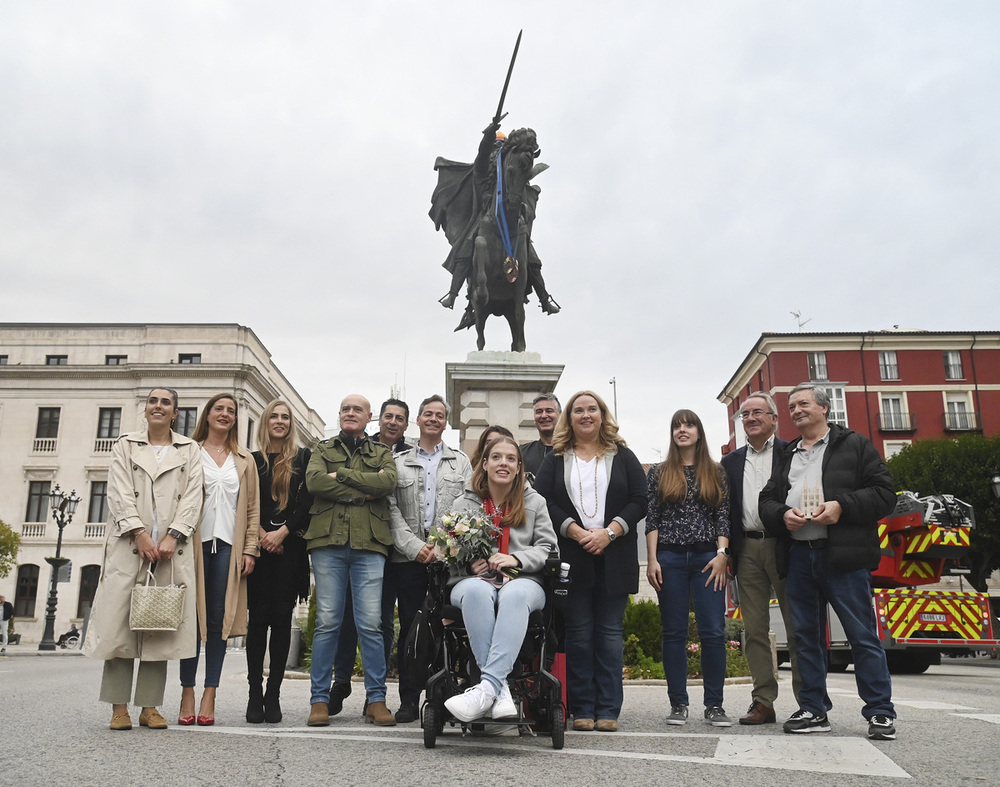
(486, 210)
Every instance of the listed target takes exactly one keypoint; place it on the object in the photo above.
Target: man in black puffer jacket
(828, 490)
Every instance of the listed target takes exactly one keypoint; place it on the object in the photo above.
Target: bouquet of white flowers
(464, 536)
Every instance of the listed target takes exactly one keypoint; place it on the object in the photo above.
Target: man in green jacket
(350, 477)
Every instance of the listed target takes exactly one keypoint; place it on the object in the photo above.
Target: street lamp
(63, 507)
(995, 484)
(613, 382)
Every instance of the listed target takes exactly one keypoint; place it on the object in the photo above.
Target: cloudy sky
(713, 167)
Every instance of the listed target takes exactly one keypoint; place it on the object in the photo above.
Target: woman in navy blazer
(595, 488)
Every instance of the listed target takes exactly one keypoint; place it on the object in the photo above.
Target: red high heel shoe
(206, 721)
(185, 721)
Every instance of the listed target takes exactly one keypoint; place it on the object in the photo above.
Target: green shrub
(642, 620)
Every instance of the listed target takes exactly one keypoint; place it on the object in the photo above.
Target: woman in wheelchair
(494, 606)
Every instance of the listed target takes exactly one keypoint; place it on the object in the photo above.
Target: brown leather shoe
(758, 713)
(606, 725)
(319, 715)
(583, 725)
(151, 717)
(121, 720)
(378, 714)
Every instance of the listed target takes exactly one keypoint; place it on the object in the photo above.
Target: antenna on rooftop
(798, 319)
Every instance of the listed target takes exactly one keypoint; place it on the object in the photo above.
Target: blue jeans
(337, 572)
(497, 621)
(683, 583)
(216, 574)
(595, 622)
(810, 585)
(347, 642)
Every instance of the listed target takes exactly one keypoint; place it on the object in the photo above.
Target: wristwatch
(723, 551)
(611, 534)
(181, 538)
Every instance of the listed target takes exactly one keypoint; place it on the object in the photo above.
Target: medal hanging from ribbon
(497, 515)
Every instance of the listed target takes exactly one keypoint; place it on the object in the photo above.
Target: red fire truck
(922, 541)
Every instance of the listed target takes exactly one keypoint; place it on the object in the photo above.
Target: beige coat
(246, 541)
(135, 483)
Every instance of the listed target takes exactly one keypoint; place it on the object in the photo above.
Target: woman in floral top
(687, 545)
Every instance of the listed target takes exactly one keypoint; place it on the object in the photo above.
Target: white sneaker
(504, 707)
(473, 704)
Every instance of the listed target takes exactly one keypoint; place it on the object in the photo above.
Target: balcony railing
(897, 422)
(960, 422)
(94, 531)
(103, 445)
(33, 530)
(45, 445)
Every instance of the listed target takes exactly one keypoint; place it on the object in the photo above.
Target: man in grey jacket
(430, 477)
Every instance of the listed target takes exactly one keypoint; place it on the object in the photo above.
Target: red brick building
(892, 386)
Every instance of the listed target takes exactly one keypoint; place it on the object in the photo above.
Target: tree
(962, 468)
(10, 542)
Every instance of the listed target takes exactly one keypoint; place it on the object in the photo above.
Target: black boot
(272, 704)
(255, 705)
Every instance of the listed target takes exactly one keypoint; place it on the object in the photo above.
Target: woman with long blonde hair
(687, 538)
(596, 493)
(495, 609)
(281, 576)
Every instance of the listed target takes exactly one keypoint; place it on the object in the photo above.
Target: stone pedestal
(494, 387)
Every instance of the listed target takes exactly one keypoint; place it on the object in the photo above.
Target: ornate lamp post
(63, 507)
(995, 484)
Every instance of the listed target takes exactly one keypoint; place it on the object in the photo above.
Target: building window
(249, 432)
(46, 430)
(38, 501)
(48, 423)
(887, 365)
(115, 360)
(97, 511)
(89, 577)
(958, 415)
(817, 366)
(189, 358)
(109, 422)
(892, 447)
(26, 591)
(953, 365)
(892, 416)
(838, 406)
(3, 360)
(56, 360)
(187, 419)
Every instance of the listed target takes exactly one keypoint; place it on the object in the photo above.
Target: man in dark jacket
(546, 409)
(824, 501)
(753, 559)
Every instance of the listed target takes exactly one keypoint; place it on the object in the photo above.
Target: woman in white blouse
(596, 492)
(228, 548)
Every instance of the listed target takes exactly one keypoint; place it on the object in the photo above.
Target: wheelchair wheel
(557, 718)
(433, 724)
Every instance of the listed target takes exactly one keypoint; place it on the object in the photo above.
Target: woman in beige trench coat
(226, 549)
(154, 503)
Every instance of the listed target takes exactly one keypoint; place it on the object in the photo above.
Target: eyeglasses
(753, 413)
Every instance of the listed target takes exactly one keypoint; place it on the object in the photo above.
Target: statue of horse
(488, 209)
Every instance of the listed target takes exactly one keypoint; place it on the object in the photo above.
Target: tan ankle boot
(319, 715)
(379, 715)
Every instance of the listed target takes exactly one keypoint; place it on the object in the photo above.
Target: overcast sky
(713, 167)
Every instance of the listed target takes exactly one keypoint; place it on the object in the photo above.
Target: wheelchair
(536, 692)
